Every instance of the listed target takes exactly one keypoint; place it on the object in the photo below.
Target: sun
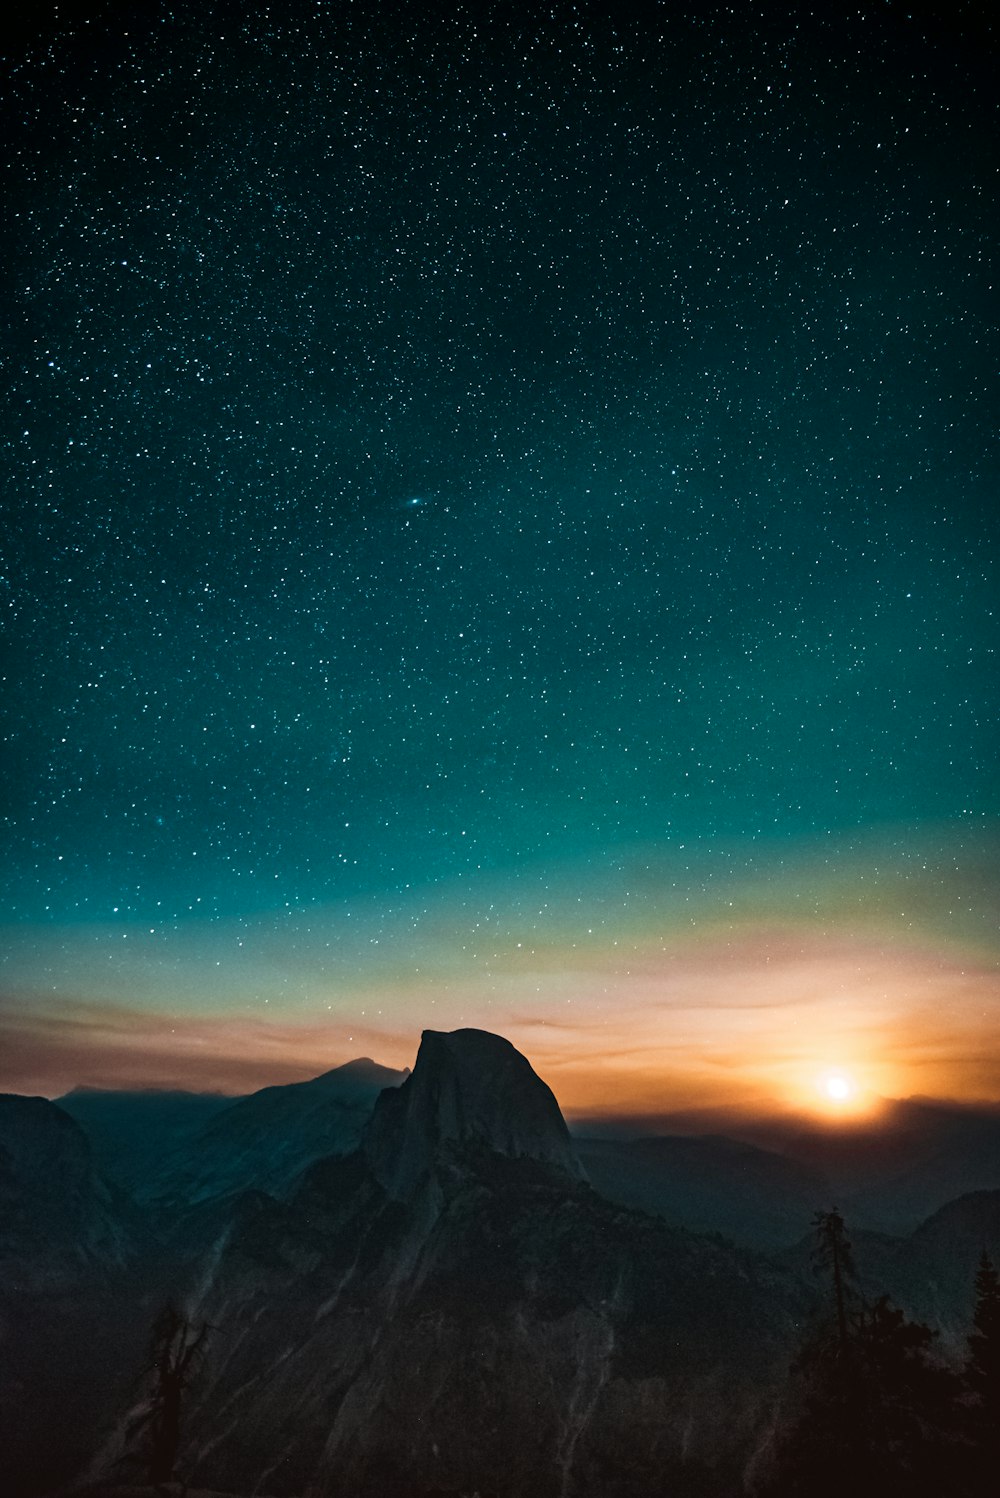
(838, 1088)
(839, 1091)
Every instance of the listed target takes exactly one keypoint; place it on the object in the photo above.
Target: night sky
(502, 524)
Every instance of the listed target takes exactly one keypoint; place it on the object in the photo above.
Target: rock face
(501, 1332)
(58, 1219)
(470, 1091)
(453, 1309)
(69, 1246)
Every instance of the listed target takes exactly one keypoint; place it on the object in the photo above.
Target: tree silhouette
(875, 1413)
(982, 1372)
(983, 1367)
(175, 1353)
(909, 1403)
(833, 1251)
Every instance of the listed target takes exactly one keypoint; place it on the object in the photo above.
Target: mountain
(469, 1090)
(431, 1288)
(132, 1132)
(452, 1308)
(891, 1174)
(932, 1273)
(934, 1153)
(709, 1184)
(58, 1218)
(264, 1142)
(70, 1247)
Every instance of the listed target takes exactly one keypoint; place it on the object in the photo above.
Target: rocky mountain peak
(468, 1088)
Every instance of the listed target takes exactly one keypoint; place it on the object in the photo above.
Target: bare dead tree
(175, 1354)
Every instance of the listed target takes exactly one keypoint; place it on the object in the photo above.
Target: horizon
(647, 1016)
(819, 1118)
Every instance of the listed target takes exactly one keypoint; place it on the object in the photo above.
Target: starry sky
(502, 530)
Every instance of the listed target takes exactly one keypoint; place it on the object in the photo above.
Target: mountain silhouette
(132, 1133)
(710, 1184)
(415, 1285)
(470, 1091)
(70, 1251)
(264, 1142)
(391, 1323)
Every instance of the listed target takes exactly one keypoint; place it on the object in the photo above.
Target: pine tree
(822, 1453)
(982, 1372)
(833, 1251)
(876, 1412)
(983, 1367)
(910, 1403)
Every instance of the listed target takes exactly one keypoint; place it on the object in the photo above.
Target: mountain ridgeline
(179, 1147)
(379, 1283)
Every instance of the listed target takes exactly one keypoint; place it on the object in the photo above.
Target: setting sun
(838, 1088)
(841, 1094)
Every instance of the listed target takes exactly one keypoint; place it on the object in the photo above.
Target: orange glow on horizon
(837, 1094)
(644, 1017)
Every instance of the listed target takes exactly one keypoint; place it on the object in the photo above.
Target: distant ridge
(265, 1141)
(132, 1132)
